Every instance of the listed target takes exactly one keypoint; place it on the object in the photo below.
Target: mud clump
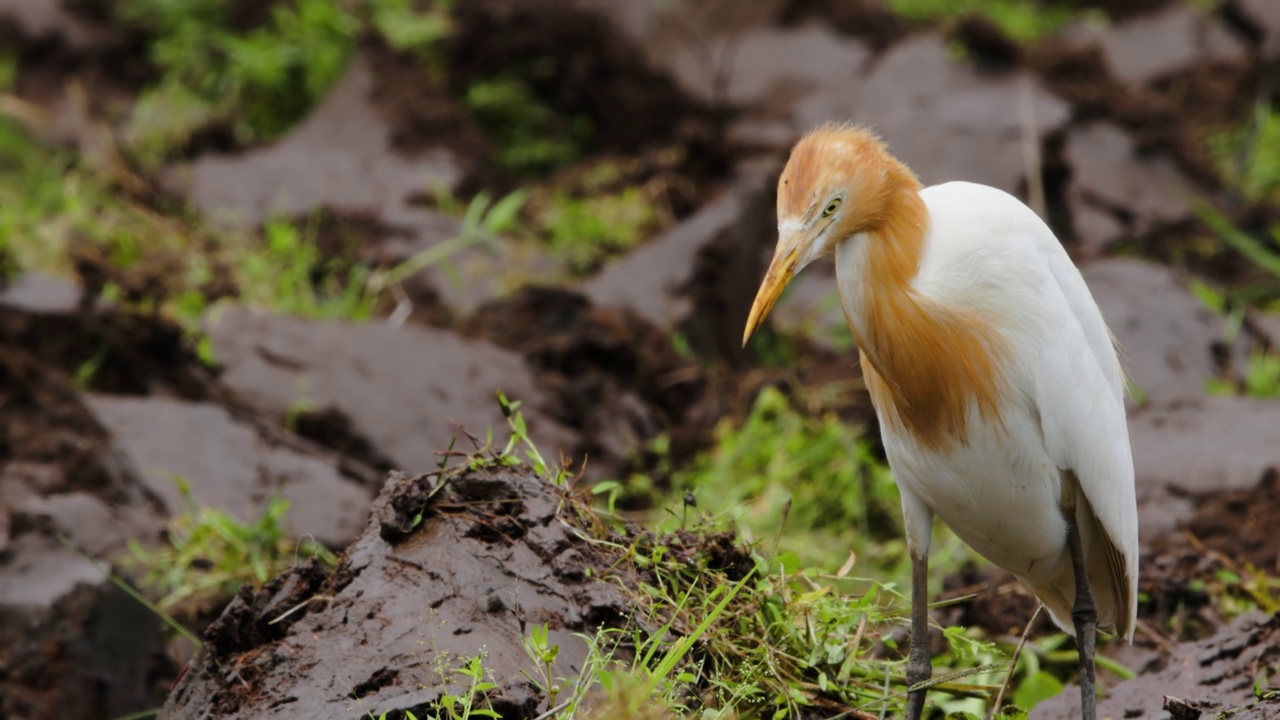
(451, 565)
(613, 376)
(1232, 532)
(1212, 678)
(71, 644)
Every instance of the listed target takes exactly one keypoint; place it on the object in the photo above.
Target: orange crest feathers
(837, 157)
(925, 364)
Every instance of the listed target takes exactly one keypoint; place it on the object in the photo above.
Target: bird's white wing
(1068, 363)
(1080, 398)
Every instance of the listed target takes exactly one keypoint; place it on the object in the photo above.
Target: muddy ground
(1115, 118)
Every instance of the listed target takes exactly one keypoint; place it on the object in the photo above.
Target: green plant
(530, 137)
(519, 438)
(1023, 21)
(1261, 378)
(261, 79)
(539, 649)
(814, 475)
(211, 554)
(284, 271)
(767, 639)
(462, 706)
(1249, 157)
(586, 230)
(483, 222)
(1238, 587)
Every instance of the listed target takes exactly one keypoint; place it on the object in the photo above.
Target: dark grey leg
(918, 667)
(1085, 616)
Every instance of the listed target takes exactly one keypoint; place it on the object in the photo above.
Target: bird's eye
(831, 208)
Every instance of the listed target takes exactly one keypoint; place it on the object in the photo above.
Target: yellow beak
(781, 269)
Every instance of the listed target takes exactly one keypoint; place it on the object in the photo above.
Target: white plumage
(994, 377)
(1000, 490)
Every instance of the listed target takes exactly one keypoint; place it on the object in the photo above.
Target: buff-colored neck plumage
(926, 364)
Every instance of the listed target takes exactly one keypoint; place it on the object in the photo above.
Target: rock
(43, 294)
(340, 156)
(1163, 331)
(700, 277)
(1215, 443)
(1147, 48)
(947, 121)
(450, 566)
(612, 376)
(1265, 15)
(771, 67)
(227, 465)
(1139, 192)
(1210, 676)
(46, 19)
(915, 95)
(72, 644)
(408, 390)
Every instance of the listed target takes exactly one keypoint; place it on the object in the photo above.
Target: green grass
(530, 137)
(1022, 20)
(257, 81)
(163, 258)
(463, 706)
(211, 554)
(584, 231)
(1248, 157)
(1261, 378)
(821, 517)
(806, 485)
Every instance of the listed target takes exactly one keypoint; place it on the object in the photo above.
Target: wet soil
(64, 630)
(450, 562)
(94, 395)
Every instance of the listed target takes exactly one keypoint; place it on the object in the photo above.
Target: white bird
(995, 379)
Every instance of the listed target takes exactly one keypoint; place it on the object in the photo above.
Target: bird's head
(838, 183)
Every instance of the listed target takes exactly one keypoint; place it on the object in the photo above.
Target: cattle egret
(998, 388)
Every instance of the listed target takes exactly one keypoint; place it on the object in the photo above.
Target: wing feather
(1080, 394)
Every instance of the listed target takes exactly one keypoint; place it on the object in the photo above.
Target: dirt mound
(1218, 676)
(581, 64)
(1229, 539)
(613, 376)
(452, 565)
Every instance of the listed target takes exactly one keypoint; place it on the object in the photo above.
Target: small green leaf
(1036, 688)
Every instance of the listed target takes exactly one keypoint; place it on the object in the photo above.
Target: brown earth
(449, 563)
(1121, 153)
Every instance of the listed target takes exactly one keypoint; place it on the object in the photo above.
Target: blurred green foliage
(210, 555)
(810, 484)
(258, 80)
(530, 137)
(814, 475)
(584, 231)
(1021, 20)
(1248, 157)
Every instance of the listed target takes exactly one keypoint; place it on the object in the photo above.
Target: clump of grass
(211, 554)
(1023, 21)
(464, 705)
(586, 230)
(813, 476)
(530, 136)
(258, 81)
(1261, 378)
(1249, 157)
(56, 213)
(741, 633)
